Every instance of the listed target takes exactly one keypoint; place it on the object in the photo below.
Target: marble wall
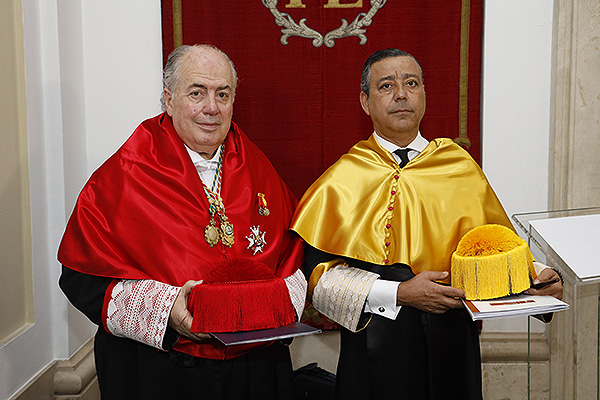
(575, 114)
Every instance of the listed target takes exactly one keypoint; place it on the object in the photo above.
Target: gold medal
(262, 205)
(219, 228)
(227, 232)
(264, 211)
(211, 233)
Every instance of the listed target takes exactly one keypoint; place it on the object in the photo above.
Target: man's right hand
(421, 292)
(180, 318)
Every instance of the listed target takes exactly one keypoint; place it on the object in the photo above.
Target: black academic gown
(130, 370)
(417, 356)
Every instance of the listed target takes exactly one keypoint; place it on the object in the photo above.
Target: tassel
(491, 261)
(255, 300)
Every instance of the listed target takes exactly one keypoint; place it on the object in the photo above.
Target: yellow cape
(365, 207)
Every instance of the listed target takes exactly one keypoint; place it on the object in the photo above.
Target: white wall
(110, 72)
(93, 73)
(111, 62)
(30, 352)
(516, 111)
(516, 101)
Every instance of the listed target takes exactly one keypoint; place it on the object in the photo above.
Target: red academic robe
(142, 215)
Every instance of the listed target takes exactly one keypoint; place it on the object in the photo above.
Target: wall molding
(74, 375)
(513, 347)
(72, 379)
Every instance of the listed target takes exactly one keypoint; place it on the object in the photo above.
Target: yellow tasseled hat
(492, 261)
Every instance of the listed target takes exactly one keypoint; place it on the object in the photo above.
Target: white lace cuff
(296, 284)
(139, 310)
(341, 294)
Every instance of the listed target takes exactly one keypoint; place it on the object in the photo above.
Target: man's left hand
(553, 289)
(181, 318)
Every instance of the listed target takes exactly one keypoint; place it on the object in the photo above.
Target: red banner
(299, 64)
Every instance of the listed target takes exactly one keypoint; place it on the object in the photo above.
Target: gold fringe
(492, 261)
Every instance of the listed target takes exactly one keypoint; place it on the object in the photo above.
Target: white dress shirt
(207, 169)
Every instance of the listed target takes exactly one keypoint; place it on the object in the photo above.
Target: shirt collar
(418, 144)
(203, 164)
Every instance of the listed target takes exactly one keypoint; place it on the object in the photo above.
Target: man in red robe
(185, 207)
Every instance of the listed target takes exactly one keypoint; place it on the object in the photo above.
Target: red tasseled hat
(240, 294)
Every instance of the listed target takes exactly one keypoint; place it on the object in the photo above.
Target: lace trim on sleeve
(341, 294)
(139, 310)
(296, 284)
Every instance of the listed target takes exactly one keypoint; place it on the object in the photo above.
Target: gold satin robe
(366, 208)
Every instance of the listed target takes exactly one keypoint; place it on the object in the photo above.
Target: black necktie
(403, 154)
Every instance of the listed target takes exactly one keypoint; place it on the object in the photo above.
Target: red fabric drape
(299, 102)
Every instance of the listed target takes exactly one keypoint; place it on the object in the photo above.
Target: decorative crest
(355, 28)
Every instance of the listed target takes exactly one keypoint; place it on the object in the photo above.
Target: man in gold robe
(380, 227)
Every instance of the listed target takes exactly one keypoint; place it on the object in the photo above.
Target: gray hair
(380, 55)
(171, 70)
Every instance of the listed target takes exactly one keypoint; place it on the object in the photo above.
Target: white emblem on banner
(355, 28)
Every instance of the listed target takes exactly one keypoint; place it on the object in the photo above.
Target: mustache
(401, 107)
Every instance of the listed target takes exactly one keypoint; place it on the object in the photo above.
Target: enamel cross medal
(256, 239)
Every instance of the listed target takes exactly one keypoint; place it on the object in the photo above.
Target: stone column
(575, 183)
(575, 109)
